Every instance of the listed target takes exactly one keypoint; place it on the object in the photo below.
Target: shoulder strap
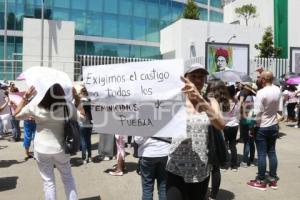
(167, 140)
(66, 113)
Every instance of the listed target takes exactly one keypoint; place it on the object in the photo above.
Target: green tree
(246, 11)
(266, 47)
(191, 10)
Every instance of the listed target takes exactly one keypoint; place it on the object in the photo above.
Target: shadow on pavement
(76, 162)
(131, 166)
(225, 195)
(92, 198)
(281, 134)
(8, 163)
(3, 147)
(8, 183)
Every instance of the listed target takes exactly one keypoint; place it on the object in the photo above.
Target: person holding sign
(187, 166)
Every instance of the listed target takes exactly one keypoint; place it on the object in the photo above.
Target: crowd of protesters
(181, 166)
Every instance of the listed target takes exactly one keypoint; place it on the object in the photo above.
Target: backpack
(71, 134)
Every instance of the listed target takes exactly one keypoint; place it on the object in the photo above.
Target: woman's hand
(191, 91)
(31, 92)
(212, 109)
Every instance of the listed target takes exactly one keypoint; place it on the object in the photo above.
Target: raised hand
(191, 91)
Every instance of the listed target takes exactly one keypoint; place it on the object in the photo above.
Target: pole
(5, 40)
(208, 19)
(42, 34)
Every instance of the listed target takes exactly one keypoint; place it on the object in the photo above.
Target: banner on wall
(227, 56)
(295, 59)
(141, 98)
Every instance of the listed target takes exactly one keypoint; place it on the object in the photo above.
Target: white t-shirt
(267, 105)
(50, 127)
(149, 147)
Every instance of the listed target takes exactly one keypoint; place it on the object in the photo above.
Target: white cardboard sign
(141, 98)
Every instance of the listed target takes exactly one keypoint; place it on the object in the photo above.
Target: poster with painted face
(295, 59)
(223, 56)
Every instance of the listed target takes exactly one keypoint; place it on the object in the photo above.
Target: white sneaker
(296, 126)
(106, 158)
(234, 169)
(243, 164)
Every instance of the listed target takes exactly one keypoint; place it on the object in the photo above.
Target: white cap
(194, 67)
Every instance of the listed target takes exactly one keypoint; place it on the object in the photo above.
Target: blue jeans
(16, 131)
(29, 132)
(265, 143)
(249, 147)
(85, 141)
(151, 169)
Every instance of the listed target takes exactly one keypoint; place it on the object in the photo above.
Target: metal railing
(11, 69)
(90, 60)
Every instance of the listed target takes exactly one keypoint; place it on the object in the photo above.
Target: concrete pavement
(20, 179)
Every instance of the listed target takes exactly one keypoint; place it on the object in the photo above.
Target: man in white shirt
(266, 107)
(153, 153)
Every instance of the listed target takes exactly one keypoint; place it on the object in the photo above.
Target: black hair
(217, 89)
(55, 96)
(231, 91)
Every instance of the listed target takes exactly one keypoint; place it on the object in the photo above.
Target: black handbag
(71, 134)
(217, 149)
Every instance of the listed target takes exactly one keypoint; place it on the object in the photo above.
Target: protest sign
(141, 98)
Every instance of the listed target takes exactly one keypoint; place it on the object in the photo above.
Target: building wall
(125, 28)
(294, 24)
(265, 11)
(181, 35)
(58, 44)
(265, 18)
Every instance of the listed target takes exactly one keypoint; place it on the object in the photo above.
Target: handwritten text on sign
(142, 98)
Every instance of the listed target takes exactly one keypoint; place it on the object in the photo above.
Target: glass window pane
(150, 52)
(216, 16)
(110, 50)
(125, 27)
(153, 9)
(110, 25)
(48, 3)
(126, 7)
(90, 48)
(177, 9)
(165, 10)
(203, 14)
(139, 8)
(94, 24)
(135, 51)
(152, 30)
(80, 47)
(78, 4)
(123, 50)
(29, 10)
(216, 3)
(95, 5)
(203, 1)
(11, 21)
(79, 19)
(111, 6)
(60, 14)
(139, 28)
(62, 3)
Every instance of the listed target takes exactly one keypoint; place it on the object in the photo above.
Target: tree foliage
(246, 11)
(191, 10)
(266, 47)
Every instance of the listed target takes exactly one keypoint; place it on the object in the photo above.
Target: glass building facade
(135, 22)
